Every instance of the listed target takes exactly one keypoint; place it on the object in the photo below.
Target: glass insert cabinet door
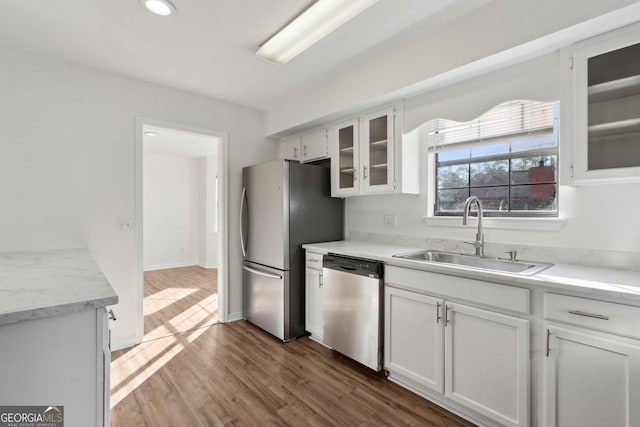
(347, 158)
(377, 167)
(606, 81)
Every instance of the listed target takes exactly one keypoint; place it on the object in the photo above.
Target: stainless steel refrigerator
(283, 205)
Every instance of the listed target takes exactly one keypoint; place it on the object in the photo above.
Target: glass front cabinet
(363, 161)
(605, 107)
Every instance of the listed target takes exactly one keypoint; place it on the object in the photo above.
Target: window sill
(530, 224)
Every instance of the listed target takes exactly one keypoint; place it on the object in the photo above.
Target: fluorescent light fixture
(150, 133)
(323, 17)
(159, 7)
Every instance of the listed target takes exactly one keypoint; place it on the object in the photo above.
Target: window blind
(521, 119)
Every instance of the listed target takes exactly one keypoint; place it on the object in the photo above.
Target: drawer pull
(313, 260)
(594, 316)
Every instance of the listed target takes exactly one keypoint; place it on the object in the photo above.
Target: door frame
(222, 214)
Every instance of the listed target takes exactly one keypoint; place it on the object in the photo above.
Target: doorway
(182, 234)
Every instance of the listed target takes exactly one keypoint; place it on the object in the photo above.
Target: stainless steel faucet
(479, 242)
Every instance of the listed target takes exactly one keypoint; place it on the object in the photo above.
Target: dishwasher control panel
(359, 266)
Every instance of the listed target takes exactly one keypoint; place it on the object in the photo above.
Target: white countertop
(616, 284)
(42, 284)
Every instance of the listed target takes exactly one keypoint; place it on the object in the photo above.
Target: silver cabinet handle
(364, 172)
(548, 338)
(315, 261)
(320, 281)
(446, 315)
(295, 152)
(242, 197)
(262, 273)
(112, 315)
(438, 312)
(304, 150)
(594, 316)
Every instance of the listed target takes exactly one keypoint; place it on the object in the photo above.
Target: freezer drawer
(264, 298)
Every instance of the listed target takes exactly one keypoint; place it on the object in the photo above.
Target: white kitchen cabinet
(305, 147)
(369, 153)
(414, 337)
(592, 373)
(289, 148)
(314, 322)
(487, 363)
(590, 381)
(476, 358)
(59, 360)
(314, 145)
(601, 99)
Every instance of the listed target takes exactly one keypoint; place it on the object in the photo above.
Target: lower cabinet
(59, 360)
(314, 323)
(476, 358)
(590, 381)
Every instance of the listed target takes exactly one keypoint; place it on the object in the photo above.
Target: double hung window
(508, 158)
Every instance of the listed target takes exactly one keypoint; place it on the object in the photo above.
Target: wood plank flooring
(236, 374)
(179, 299)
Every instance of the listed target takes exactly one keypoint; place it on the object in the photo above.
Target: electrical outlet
(124, 224)
(390, 221)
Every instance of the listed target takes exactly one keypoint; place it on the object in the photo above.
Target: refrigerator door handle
(242, 198)
(262, 273)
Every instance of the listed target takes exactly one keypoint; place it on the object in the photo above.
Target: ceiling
(173, 142)
(208, 46)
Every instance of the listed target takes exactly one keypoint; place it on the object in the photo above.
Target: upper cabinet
(368, 156)
(604, 107)
(306, 147)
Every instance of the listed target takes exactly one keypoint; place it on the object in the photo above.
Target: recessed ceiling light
(150, 134)
(159, 7)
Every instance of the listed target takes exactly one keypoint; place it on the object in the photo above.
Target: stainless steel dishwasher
(352, 308)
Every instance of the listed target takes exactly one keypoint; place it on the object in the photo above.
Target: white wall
(599, 217)
(172, 208)
(502, 30)
(67, 138)
(209, 236)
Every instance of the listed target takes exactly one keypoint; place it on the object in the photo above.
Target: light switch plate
(124, 224)
(391, 221)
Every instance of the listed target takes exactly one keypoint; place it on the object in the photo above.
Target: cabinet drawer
(605, 316)
(475, 291)
(314, 260)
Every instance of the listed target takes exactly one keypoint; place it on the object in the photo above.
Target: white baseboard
(235, 316)
(165, 266)
(208, 266)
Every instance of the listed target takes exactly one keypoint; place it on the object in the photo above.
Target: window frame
(510, 156)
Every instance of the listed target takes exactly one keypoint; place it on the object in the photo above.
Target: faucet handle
(475, 243)
(512, 254)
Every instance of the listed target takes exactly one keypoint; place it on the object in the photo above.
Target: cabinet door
(314, 145)
(313, 318)
(344, 163)
(289, 148)
(590, 381)
(606, 107)
(104, 364)
(377, 152)
(487, 363)
(413, 334)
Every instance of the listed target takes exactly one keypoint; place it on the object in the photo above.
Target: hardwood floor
(179, 299)
(236, 374)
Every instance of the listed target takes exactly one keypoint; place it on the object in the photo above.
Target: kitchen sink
(475, 262)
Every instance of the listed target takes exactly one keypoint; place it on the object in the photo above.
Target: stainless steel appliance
(283, 205)
(352, 308)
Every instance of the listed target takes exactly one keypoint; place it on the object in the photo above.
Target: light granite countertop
(613, 284)
(41, 284)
